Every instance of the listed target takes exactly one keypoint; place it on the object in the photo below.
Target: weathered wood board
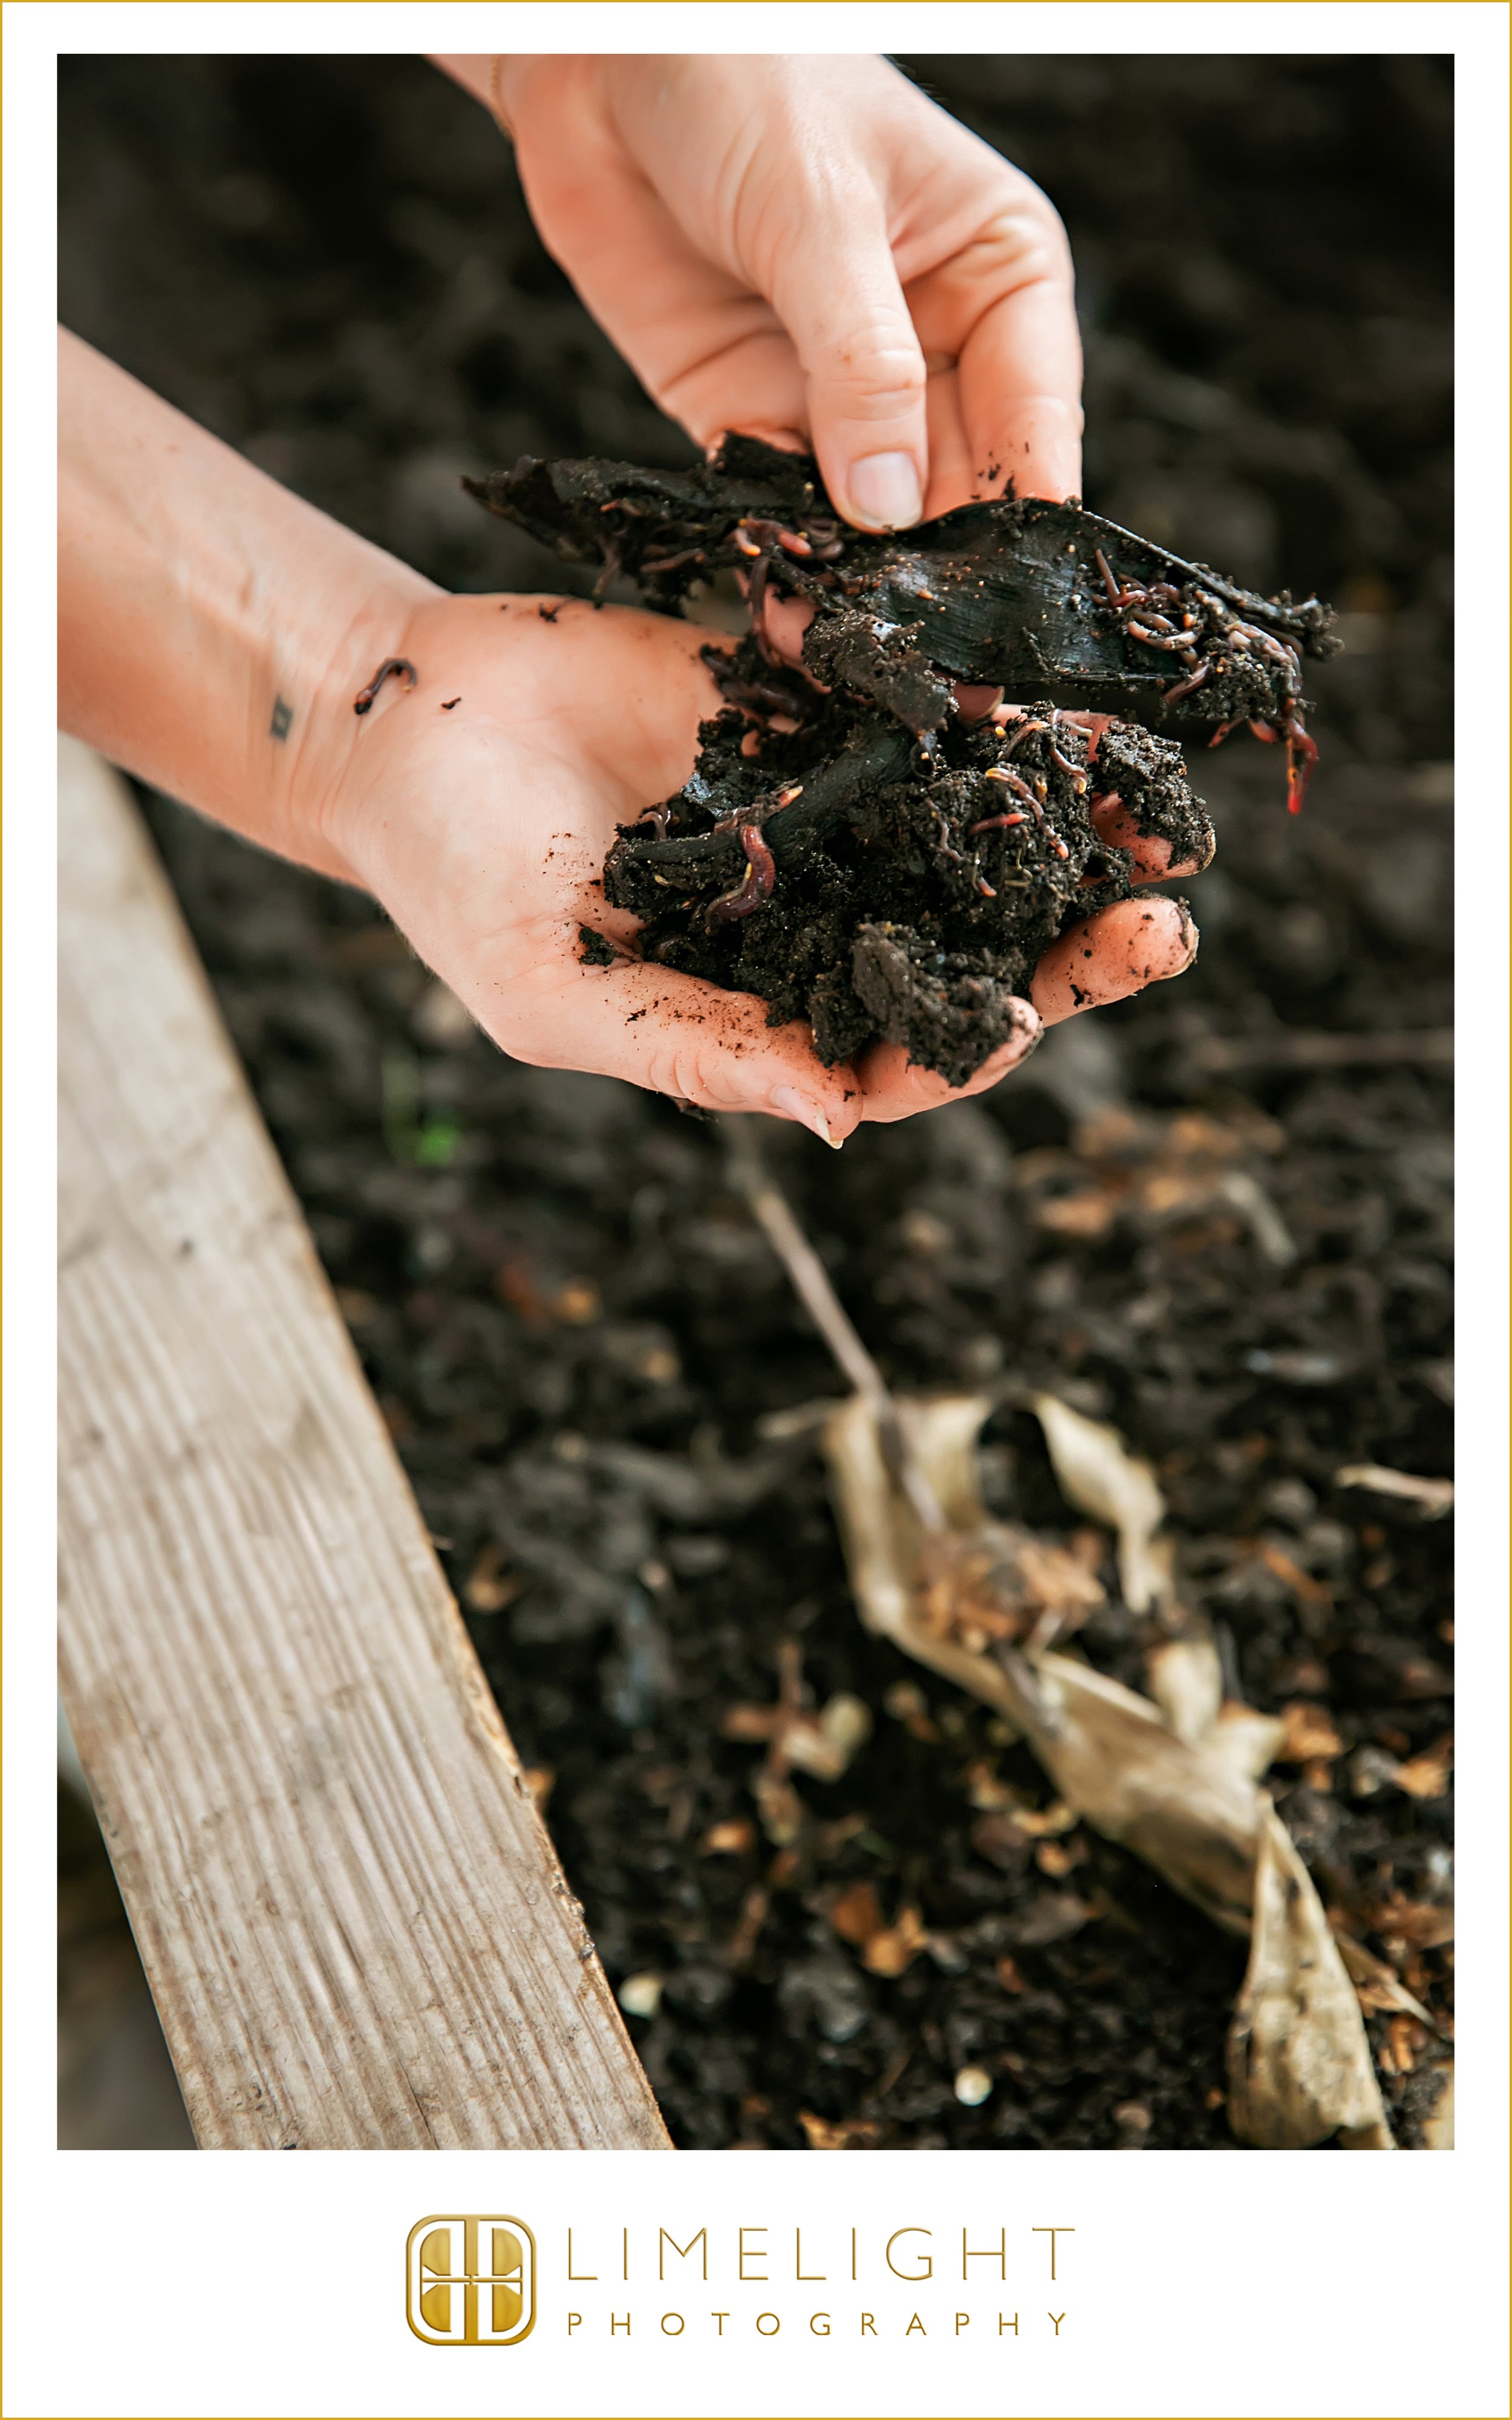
(351, 1917)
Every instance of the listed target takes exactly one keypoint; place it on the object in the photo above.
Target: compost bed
(572, 1324)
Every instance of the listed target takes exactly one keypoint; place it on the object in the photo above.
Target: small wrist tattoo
(283, 719)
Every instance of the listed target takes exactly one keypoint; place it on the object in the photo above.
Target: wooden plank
(352, 1919)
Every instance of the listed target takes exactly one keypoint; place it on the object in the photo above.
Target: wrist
(213, 630)
(310, 683)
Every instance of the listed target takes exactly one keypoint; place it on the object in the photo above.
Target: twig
(810, 1282)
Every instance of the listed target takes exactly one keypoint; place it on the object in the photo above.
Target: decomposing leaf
(1299, 2063)
(1002, 1582)
(1405, 2039)
(1309, 1733)
(1417, 1924)
(1113, 1755)
(1287, 1568)
(1425, 1775)
(1096, 1472)
(1172, 1777)
(839, 2135)
(896, 1946)
(820, 1744)
(1376, 1984)
(1187, 1680)
(823, 1744)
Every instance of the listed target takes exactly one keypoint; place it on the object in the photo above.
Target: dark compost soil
(573, 1326)
(879, 853)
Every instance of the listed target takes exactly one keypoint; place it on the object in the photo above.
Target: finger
(1021, 368)
(650, 1026)
(893, 1088)
(1110, 954)
(1112, 822)
(784, 620)
(952, 478)
(833, 283)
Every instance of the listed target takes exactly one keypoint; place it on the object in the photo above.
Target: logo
(471, 2281)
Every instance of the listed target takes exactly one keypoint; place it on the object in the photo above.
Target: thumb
(835, 289)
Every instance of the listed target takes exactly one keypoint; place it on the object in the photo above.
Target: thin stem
(810, 1282)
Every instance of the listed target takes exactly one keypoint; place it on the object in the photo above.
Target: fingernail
(886, 491)
(789, 1104)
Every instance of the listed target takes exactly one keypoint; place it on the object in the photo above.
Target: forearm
(213, 630)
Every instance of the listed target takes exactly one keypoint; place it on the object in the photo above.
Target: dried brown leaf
(1096, 1472)
(1427, 1776)
(896, 1946)
(1308, 1733)
(839, 2135)
(1299, 2062)
(1378, 1987)
(1187, 1680)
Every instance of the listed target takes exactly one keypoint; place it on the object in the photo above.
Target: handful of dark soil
(861, 842)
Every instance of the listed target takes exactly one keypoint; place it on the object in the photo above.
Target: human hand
(810, 251)
(214, 632)
(482, 825)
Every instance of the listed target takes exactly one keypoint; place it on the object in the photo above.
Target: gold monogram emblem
(470, 2280)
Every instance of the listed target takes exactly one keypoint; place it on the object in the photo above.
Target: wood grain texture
(352, 1919)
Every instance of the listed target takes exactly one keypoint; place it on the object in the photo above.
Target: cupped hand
(479, 805)
(808, 250)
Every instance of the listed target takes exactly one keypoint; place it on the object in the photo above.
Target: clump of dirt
(872, 840)
(1022, 592)
(842, 875)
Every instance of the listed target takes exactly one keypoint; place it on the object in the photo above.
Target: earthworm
(363, 702)
(755, 597)
(1298, 743)
(1117, 595)
(1271, 645)
(1064, 762)
(1185, 688)
(755, 885)
(943, 830)
(1022, 789)
(1014, 783)
(1023, 732)
(1179, 642)
(997, 823)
